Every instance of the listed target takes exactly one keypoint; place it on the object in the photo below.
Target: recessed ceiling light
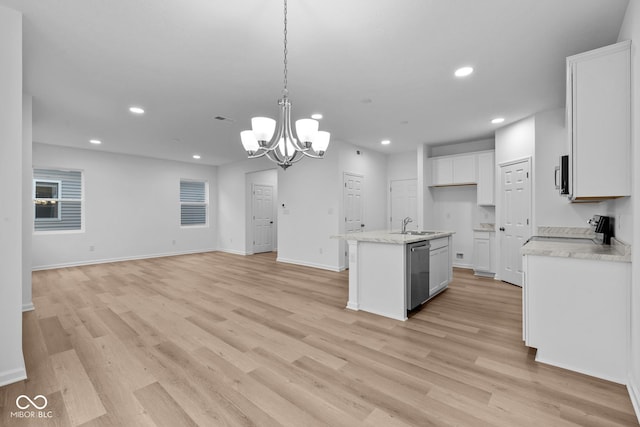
(497, 120)
(95, 141)
(316, 116)
(196, 156)
(136, 110)
(463, 72)
(385, 142)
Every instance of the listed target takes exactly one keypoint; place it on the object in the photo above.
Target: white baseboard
(634, 394)
(620, 379)
(13, 376)
(118, 259)
(467, 266)
(28, 307)
(235, 252)
(353, 306)
(308, 264)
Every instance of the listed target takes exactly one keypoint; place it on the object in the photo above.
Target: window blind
(193, 203)
(70, 199)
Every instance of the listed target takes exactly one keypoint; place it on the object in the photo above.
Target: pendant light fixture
(277, 140)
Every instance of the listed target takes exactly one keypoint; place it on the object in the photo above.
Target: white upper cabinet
(598, 122)
(454, 170)
(486, 178)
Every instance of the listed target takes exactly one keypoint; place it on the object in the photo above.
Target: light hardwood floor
(223, 340)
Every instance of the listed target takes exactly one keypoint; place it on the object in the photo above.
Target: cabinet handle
(501, 228)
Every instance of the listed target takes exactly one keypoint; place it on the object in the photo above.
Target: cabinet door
(482, 254)
(438, 269)
(486, 179)
(598, 114)
(442, 171)
(464, 169)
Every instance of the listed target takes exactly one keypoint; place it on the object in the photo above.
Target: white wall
(310, 192)
(402, 165)
(462, 147)
(631, 30)
(267, 177)
(513, 142)
(12, 366)
(131, 208)
(455, 209)
(373, 166)
(27, 201)
(551, 209)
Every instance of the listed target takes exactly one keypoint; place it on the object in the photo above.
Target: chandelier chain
(285, 91)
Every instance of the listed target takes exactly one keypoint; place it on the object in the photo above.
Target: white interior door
(516, 224)
(353, 206)
(353, 203)
(404, 203)
(262, 218)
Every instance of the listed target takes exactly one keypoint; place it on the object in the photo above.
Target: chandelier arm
(313, 156)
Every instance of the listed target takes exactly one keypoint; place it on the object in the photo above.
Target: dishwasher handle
(421, 248)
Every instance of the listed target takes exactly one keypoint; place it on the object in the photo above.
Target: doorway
(403, 203)
(515, 227)
(263, 218)
(261, 208)
(353, 206)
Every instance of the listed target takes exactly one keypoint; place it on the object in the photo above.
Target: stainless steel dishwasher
(417, 273)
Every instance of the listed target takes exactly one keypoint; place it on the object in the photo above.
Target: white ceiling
(187, 61)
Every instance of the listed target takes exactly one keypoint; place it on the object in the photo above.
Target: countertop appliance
(561, 177)
(417, 273)
(603, 225)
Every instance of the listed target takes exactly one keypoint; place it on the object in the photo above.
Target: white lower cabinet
(483, 259)
(440, 267)
(576, 313)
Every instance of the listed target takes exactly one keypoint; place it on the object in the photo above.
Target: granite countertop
(616, 251)
(394, 237)
(485, 226)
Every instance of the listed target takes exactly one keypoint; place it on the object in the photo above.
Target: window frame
(81, 200)
(205, 203)
(47, 199)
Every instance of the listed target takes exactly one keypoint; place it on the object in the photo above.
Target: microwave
(562, 175)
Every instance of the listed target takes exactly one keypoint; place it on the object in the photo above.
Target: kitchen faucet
(405, 221)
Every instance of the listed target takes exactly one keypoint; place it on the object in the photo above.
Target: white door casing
(262, 207)
(515, 228)
(403, 203)
(353, 206)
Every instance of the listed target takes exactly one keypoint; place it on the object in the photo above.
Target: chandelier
(277, 140)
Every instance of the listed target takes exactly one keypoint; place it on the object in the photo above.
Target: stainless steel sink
(415, 233)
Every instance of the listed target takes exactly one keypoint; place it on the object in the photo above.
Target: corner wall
(131, 209)
(12, 368)
(27, 201)
(631, 30)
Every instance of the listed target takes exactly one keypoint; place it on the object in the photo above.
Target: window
(57, 198)
(194, 203)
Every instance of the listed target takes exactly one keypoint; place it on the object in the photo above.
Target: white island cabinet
(377, 269)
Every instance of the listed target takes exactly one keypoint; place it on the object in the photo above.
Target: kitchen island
(378, 275)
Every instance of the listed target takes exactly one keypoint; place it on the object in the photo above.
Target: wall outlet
(173, 242)
(92, 248)
(320, 251)
(459, 255)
